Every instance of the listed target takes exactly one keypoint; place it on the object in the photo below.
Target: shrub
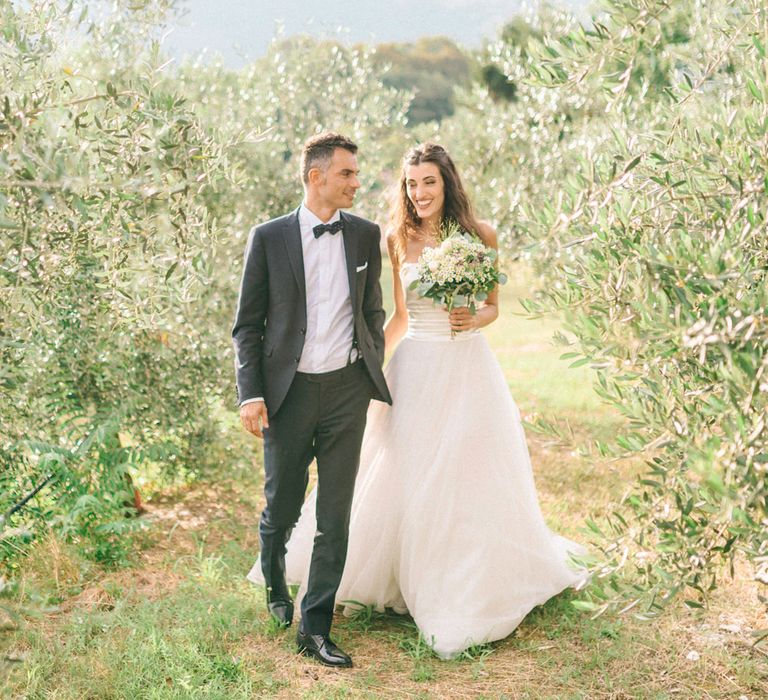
(651, 236)
(107, 358)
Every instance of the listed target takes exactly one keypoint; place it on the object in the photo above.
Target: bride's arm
(395, 327)
(488, 312)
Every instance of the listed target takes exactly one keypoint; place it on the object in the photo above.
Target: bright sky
(240, 30)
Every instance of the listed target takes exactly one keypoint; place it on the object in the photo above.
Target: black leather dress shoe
(323, 649)
(281, 611)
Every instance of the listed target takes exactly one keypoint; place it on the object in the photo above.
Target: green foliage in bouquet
(459, 272)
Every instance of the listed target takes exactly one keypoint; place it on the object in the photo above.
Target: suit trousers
(323, 418)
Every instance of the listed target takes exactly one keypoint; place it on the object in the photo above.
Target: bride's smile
(426, 191)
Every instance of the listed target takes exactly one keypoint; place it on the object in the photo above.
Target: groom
(309, 344)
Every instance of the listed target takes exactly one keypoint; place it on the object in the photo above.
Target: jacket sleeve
(248, 330)
(373, 309)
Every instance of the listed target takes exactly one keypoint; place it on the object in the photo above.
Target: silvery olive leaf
(423, 288)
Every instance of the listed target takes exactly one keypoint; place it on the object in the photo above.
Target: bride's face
(426, 190)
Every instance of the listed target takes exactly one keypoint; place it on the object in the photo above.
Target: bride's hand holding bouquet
(459, 273)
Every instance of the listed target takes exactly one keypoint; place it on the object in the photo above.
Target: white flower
(460, 267)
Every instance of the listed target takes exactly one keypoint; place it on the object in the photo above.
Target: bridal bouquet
(461, 271)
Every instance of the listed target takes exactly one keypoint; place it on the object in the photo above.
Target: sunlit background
(623, 160)
(240, 31)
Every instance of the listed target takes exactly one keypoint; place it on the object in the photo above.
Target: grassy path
(180, 621)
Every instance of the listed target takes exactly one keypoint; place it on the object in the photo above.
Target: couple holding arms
(425, 500)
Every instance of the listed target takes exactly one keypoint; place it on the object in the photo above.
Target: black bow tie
(335, 227)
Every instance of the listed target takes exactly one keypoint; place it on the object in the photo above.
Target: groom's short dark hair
(318, 151)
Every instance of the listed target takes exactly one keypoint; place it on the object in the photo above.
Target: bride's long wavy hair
(404, 220)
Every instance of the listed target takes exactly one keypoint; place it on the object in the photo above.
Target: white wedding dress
(445, 523)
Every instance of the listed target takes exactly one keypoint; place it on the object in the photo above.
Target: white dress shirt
(330, 321)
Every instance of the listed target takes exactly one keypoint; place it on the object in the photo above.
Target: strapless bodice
(426, 320)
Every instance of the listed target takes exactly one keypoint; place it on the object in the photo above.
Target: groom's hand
(254, 417)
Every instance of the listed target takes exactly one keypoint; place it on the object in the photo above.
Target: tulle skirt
(446, 523)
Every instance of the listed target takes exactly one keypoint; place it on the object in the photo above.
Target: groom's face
(337, 185)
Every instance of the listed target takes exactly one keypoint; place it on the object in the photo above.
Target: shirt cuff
(258, 398)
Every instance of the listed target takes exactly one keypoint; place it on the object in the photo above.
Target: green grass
(183, 644)
(180, 621)
(183, 623)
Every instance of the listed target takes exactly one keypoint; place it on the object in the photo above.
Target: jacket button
(303, 331)
(296, 359)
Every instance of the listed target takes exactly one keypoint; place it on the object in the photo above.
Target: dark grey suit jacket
(271, 319)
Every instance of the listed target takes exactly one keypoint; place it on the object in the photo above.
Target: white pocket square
(362, 267)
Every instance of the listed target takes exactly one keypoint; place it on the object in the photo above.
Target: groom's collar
(310, 219)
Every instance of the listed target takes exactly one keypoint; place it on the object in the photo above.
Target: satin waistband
(435, 327)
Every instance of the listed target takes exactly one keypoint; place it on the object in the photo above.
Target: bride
(445, 522)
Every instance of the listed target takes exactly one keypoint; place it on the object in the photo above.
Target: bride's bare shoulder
(488, 234)
(392, 248)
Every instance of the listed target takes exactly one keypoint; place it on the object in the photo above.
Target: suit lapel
(292, 239)
(350, 253)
